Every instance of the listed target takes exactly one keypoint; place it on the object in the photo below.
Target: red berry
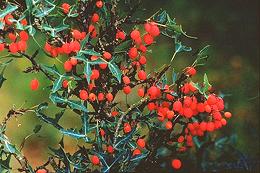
(103, 66)
(99, 4)
(141, 92)
(2, 46)
(24, 22)
(67, 66)
(41, 171)
(102, 132)
(133, 53)
(177, 106)
(77, 34)
(73, 61)
(142, 60)
(34, 84)
(65, 7)
(203, 126)
(227, 114)
(176, 163)
(120, 35)
(101, 97)
(153, 92)
(110, 149)
(114, 113)
(127, 128)
(168, 125)
(136, 152)
(191, 71)
(107, 55)
(210, 126)
(95, 74)
(22, 45)
(141, 143)
(148, 39)
(126, 80)
(135, 34)
(212, 100)
(12, 36)
(170, 115)
(109, 97)
(151, 106)
(95, 18)
(13, 48)
(24, 36)
(127, 89)
(95, 160)
(74, 46)
(207, 108)
(65, 84)
(8, 19)
(92, 97)
(142, 75)
(154, 31)
(83, 95)
(142, 48)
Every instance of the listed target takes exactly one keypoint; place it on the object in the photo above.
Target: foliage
(105, 57)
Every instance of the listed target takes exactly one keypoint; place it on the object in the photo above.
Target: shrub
(106, 51)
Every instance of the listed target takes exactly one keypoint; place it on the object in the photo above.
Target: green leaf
(72, 133)
(206, 84)
(85, 124)
(9, 9)
(52, 69)
(57, 84)
(115, 71)
(181, 48)
(89, 52)
(55, 98)
(2, 79)
(37, 128)
(87, 71)
(77, 105)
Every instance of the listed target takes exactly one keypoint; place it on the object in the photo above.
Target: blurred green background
(231, 27)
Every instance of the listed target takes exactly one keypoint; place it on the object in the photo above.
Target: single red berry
(142, 60)
(177, 106)
(114, 113)
(127, 89)
(95, 74)
(83, 95)
(24, 35)
(148, 39)
(99, 4)
(13, 48)
(95, 18)
(22, 45)
(180, 139)
(142, 75)
(102, 132)
(142, 48)
(191, 71)
(74, 46)
(65, 84)
(73, 61)
(153, 92)
(66, 48)
(151, 106)
(65, 7)
(8, 19)
(210, 126)
(212, 100)
(223, 122)
(67, 66)
(12, 36)
(141, 143)
(168, 125)
(24, 22)
(101, 97)
(126, 80)
(133, 53)
(135, 34)
(207, 108)
(92, 97)
(77, 34)
(170, 115)
(120, 35)
(141, 92)
(176, 163)
(110, 149)
(107, 55)
(41, 171)
(127, 128)
(34, 84)
(2, 46)
(154, 31)
(103, 66)
(136, 152)
(109, 97)
(227, 114)
(95, 160)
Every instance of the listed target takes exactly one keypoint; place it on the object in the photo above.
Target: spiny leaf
(115, 71)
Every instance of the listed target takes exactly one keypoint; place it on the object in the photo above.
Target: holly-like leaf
(57, 84)
(206, 84)
(72, 133)
(87, 71)
(9, 9)
(115, 71)
(77, 105)
(181, 48)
